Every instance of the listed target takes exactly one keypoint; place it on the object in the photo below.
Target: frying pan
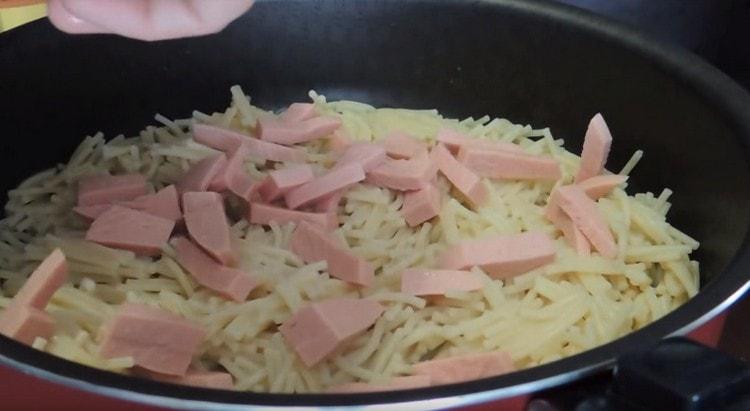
(530, 61)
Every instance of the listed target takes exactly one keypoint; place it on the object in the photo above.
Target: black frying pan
(530, 61)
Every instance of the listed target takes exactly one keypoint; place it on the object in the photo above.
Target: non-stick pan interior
(467, 60)
(546, 68)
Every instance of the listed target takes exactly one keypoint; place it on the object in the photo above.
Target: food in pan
(335, 247)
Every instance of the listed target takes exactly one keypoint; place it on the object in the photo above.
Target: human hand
(145, 19)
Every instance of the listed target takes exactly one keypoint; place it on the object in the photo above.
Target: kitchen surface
(716, 30)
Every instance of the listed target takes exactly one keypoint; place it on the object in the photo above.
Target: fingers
(146, 19)
(67, 22)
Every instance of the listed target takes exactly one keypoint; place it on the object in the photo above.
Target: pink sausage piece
(298, 112)
(90, 213)
(572, 234)
(465, 181)
(24, 323)
(419, 281)
(330, 203)
(231, 169)
(25, 319)
(317, 330)
(596, 145)
(228, 141)
(367, 155)
(287, 133)
(195, 378)
(231, 175)
(400, 145)
(244, 187)
(403, 175)
(312, 244)
(218, 138)
(281, 181)
(44, 281)
(453, 141)
(339, 141)
(396, 383)
(599, 186)
(292, 176)
(508, 165)
(128, 229)
(274, 152)
(501, 256)
(156, 339)
(334, 180)
(207, 225)
(109, 189)
(165, 203)
(229, 282)
(586, 216)
(200, 175)
(264, 214)
(421, 205)
(465, 367)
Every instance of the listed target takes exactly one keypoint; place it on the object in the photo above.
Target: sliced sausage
(128, 229)
(317, 330)
(229, 282)
(400, 145)
(334, 180)
(206, 222)
(587, 217)
(421, 205)
(297, 112)
(200, 175)
(264, 214)
(596, 145)
(156, 339)
(289, 133)
(106, 189)
(281, 181)
(501, 256)
(501, 164)
(311, 243)
(599, 186)
(465, 180)
(412, 174)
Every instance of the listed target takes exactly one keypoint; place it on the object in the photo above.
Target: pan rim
(706, 81)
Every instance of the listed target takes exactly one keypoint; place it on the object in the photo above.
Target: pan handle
(676, 374)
